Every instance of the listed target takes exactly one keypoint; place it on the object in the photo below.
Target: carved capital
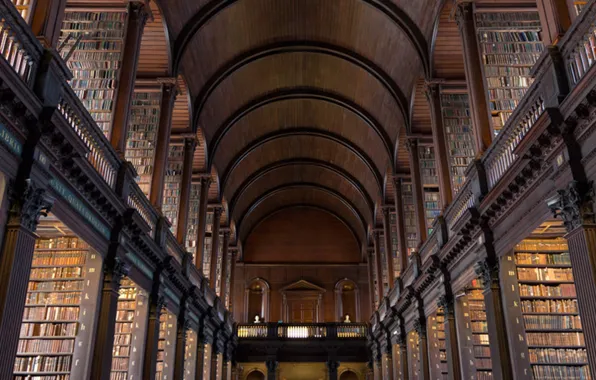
(431, 91)
(29, 206)
(190, 144)
(464, 12)
(575, 205)
(420, 326)
(333, 365)
(271, 365)
(139, 12)
(488, 273)
(446, 303)
(412, 145)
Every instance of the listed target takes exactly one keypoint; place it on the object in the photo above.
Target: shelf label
(10, 140)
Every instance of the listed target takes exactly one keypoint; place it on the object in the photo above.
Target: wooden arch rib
(299, 162)
(389, 9)
(301, 93)
(304, 187)
(284, 174)
(304, 132)
(305, 205)
(285, 47)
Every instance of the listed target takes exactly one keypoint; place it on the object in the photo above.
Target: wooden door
(303, 311)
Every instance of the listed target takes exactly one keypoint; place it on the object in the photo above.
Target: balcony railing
(302, 331)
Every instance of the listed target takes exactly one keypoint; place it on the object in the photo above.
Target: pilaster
(412, 146)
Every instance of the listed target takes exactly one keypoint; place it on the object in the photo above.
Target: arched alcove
(257, 300)
(348, 375)
(255, 375)
(347, 300)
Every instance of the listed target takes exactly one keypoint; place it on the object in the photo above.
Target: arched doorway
(347, 300)
(348, 375)
(257, 300)
(255, 375)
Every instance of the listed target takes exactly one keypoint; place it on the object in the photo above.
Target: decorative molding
(28, 207)
(575, 205)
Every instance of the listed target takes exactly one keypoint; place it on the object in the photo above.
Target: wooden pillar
(223, 284)
(15, 266)
(488, 271)
(378, 264)
(400, 359)
(162, 148)
(388, 246)
(433, 95)
(202, 222)
(114, 270)
(271, 369)
(46, 21)
(200, 359)
(185, 186)
(156, 305)
(230, 300)
(400, 224)
(138, 13)
(555, 19)
(446, 301)
(420, 327)
(180, 353)
(575, 205)
(412, 146)
(214, 246)
(332, 366)
(371, 278)
(473, 66)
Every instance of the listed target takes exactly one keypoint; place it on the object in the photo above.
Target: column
(15, 267)
(180, 354)
(420, 327)
(388, 246)
(46, 21)
(114, 271)
(488, 271)
(138, 13)
(204, 198)
(473, 66)
(400, 358)
(400, 224)
(379, 265)
(207, 353)
(446, 301)
(412, 146)
(387, 363)
(332, 366)
(214, 246)
(555, 19)
(271, 369)
(200, 359)
(575, 205)
(162, 148)
(371, 278)
(433, 95)
(230, 300)
(156, 305)
(185, 185)
(223, 284)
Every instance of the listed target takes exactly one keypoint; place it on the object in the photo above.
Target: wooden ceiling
(301, 102)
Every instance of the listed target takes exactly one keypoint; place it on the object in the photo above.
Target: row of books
(509, 81)
(558, 355)
(94, 83)
(59, 243)
(68, 313)
(49, 329)
(561, 372)
(528, 38)
(563, 290)
(108, 76)
(123, 329)
(556, 339)
(42, 364)
(545, 274)
(43, 298)
(503, 105)
(544, 245)
(552, 322)
(543, 258)
(506, 93)
(63, 258)
(549, 306)
(527, 59)
(480, 339)
(27, 346)
(528, 20)
(507, 71)
(56, 273)
(95, 65)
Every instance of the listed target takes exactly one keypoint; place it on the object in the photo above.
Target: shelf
(561, 364)
(554, 266)
(542, 298)
(545, 282)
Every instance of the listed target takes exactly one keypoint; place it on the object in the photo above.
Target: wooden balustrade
(174, 249)
(302, 331)
(18, 45)
(138, 201)
(578, 46)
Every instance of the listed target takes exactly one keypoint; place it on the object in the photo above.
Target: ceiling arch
(390, 10)
(309, 172)
(301, 194)
(307, 143)
(285, 47)
(300, 162)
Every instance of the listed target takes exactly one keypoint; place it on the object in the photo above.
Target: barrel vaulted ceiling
(301, 102)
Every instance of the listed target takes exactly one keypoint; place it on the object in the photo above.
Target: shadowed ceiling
(301, 102)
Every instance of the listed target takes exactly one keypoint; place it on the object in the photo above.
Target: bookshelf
(437, 346)
(383, 256)
(190, 355)
(479, 330)
(375, 278)
(207, 244)
(227, 279)
(123, 336)
(57, 319)
(410, 218)
(394, 244)
(24, 8)
(219, 267)
(459, 134)
(142, 133)
(414, 355)
(164, 368)
(430, 184)
(578, 5)
(95, 63)
(510, 45)
(193, 219)
(172, 185)
(555, 341)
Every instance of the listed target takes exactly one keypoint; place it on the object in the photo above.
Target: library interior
(297, 189)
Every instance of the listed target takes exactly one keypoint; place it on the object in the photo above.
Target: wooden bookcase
(24, 8)
(430, 184)
(437, 347)
(510, 45)
(410, 218)
(208, 244)
(190, 355)
(394, 244)
(479, 329)
(383, 256)
(553, 329)
(193, 219)
(219, 267)
(142, 134)
(459, 134)
(59, 315)
(414, 365)
(172, 185)
(95, 63)
(166, 346)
